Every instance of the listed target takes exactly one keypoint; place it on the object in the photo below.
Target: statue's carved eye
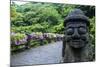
(82, 30)
(70, 31)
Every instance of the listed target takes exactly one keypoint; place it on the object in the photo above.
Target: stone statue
(76, 43)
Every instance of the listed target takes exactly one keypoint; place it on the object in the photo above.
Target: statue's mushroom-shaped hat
(76, 15)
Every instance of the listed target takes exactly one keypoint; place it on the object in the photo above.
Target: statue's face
(76, 34)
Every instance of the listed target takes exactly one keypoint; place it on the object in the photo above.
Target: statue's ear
(88, 29)
(64, 24)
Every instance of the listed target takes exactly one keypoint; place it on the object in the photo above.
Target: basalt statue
(76, 43)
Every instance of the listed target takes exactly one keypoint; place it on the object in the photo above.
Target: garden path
(47, 54)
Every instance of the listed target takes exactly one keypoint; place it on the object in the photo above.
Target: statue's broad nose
(76, 35)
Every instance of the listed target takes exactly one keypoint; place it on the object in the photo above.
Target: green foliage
(18, 36)
(34, 43)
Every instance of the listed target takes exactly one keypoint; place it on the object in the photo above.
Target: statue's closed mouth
(76, 40)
